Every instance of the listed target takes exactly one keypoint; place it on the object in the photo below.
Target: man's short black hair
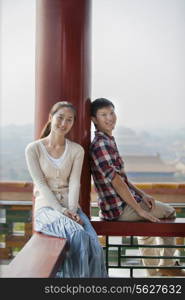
(98, 104)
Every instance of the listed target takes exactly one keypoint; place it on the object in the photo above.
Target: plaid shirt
(105, 163)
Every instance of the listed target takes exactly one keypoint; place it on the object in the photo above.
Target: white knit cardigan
(55, 187)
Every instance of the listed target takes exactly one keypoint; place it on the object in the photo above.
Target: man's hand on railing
(146, 215)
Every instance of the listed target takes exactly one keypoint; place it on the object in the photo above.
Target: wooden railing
(15, 217)
(16, 203)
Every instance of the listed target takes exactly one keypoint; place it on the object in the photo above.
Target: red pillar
(63, 70)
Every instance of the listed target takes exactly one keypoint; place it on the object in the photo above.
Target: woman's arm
(39, 179)
(74, 180)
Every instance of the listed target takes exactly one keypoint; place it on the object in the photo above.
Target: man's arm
(137, 190)
(149, 200)
(123, 191)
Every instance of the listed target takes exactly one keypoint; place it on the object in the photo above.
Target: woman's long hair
(47, 127)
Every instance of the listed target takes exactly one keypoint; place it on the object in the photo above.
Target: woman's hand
(74, 216)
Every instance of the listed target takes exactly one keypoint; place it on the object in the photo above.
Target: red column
(63, 70)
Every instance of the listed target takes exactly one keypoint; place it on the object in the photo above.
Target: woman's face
(62, 121)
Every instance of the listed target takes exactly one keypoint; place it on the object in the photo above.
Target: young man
(118, 198)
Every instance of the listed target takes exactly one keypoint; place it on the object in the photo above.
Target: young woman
(55, 164)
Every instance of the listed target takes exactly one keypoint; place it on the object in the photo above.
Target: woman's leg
(96, 256)
(51, 222)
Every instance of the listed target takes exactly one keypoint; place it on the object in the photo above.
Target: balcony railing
(16, 215)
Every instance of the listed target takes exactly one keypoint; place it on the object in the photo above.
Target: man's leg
(161, 210)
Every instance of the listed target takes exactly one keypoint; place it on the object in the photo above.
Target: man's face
(105, 119)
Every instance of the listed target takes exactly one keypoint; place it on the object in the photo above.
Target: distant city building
(138, 151)
(148, 168)
(180, 167)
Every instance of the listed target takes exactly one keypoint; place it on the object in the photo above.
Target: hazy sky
(18, 61)
(138, 60)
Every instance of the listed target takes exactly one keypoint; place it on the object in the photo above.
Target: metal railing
(122, 258)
